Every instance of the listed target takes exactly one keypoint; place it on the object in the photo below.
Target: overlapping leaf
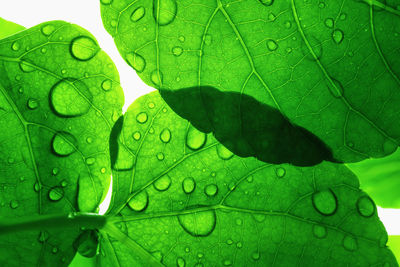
(59, 98)
(181, 198)
(331, 67)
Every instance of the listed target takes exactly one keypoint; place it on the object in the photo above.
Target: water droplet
(288, 24)
(321, 5)
(89, 140)
(227, 262)
(54, 250)
(15, 46)
(103, 170)
(180, 262)
(32, 103)
(319, 231)
(365, 206)
(195, 139)
(64, 144)
(26, 66)
(280, 172)
(48, 29)
(329, 22)
(141, 117)
(349, 243)
(211, 190)
(255, 255)
(70, 98)
(136, 135)
(90, 161)
(160, 156)
(162, 183)
(138, 14)
(106, 2)
(139, 202)
(181, 39)
(343, 16)
(36, 187)
(177, 51)
(156, 77)
(136, 61)
(151, 105)
(325, 202)
(43, 236)
(223, 152)
(55, 171)
(200, 223)
(239, 245)
(165, 135)
(271, 17)
(64, 183)
(84, 48)
(14, 204)
(239, 222)
(151, 130)
(56, 193)
(164, 11)
(188, 185)
(389, 146)
(17, 77)
(337, 36)
(272, 45)
(267, 2)
(106, 85)
(335, 88)
(43, 50)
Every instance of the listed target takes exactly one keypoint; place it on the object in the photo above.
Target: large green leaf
(330, 67)
(59, 98)
(8, 28)
(185, 200)
(380, 178)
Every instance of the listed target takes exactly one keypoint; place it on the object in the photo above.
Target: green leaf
(189, 200)
(380, 178)
(59, 98)
(8, 28)
(394, 245)
(329, 67)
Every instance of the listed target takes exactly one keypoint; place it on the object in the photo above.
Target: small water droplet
(211, 190)
(188, 185)
(151, 105)
(162, 183)
(165, 135)
(280, 172)
(156, 77)
(139, 202)
(54, 250)
(325, 202)
(48, 29)
(14, 204)
(26, 66)
(239, 222)
(271, 17)
(136, 61)
(138, 14)
(64, 183)
(329, 22)
(177, 51)
(43, 236)
(32, 103)
(272, 45)
(365, 206)
(43, 50)
(201, 223)
(17, 77)
(36, 187)
(141, 117)
(89, 140)
(255, 255)
(15, 46)
(337, 36)
(84, 48)
(106, 85)
(136, 135)
(319, 231)
(64, 144)
(349, 243)
(55, 171)
(267, 2)
(181, 39)
(343, 16)
(103, 170)
(164, 11)
(160, 156)
(223, 152)
(321, 5)
(180, 262)
(56, 193)
(227, 262)
(288, 24)
(90, 161)
(195, 139)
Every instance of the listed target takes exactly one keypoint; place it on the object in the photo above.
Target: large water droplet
(164, 11)
(87, 242)
(48, 29)
(188, 185)
(26, 66)
(337, 36)
(349, 243)
(64, 144)
(156, 77)
(319, 231)
(195, 139)
(266, 2)
(223, 152)
(211, 190)
(70, 98)
(365, 206)
(198, 223)
(325, 202)
(84, 48)
(162, 183)
(139, 202)
(165, 135)
(138, 14)
(136, 61)
(32, 103)
(56, 193)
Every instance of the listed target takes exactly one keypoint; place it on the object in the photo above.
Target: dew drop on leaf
(188, 185)
(198, 223)
(165, 135)
(211, 190)
(164, 11)
(227, 262)
(36, 187)
(266, 2)
(32, 103)
(335, 88)
(139, 202)
(15, 46)
(365, 206)
(90, 161)
(14, 204)
(319, 231)
(136, 135)
(138, 14)
(280, 172)
(180, 262)
(223, 152)
(56, 193)
(48, 29)
(288, 24)
(389, 146)
(329, 23)
(162, 183)
(156, 77)
(343, 16)
(106, 2)
(272, 45)
(70, 98)
(55, 171)
(349, 243)
(271, 17)
(177, 51)
(64, 183)
(195, 139)
(337, 36)
(84, 48)
(325, 202)
(141, 117)
(160, 156)
(64, 144)
(106, 85)
(151, 105)
(26, 66)
(255, 255)
(43, 236)
(136, 61)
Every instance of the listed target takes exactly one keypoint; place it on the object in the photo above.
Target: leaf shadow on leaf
(247, 127)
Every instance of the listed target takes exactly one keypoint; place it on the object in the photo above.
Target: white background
(86, 13)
